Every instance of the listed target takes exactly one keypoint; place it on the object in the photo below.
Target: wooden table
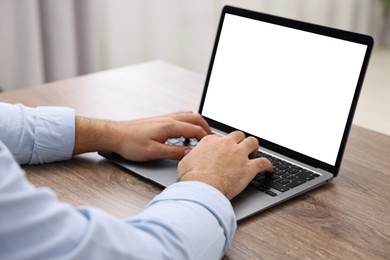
(346, 219)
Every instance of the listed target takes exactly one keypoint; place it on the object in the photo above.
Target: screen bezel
(308, 27)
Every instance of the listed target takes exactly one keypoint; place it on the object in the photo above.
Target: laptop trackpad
(162, 172)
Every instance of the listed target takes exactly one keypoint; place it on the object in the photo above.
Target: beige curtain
(47, 40)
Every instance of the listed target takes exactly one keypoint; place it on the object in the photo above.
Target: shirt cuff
(54, 134)
(208, 197)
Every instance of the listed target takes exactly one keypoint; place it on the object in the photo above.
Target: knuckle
(167, 122)
(253, 141)
(209, 137)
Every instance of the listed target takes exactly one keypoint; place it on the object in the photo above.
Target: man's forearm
(94, 135)
(188, 220)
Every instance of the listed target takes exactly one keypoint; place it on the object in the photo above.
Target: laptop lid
(291, 84)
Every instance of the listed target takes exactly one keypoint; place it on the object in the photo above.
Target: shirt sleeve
(37, 135)
(188, 220)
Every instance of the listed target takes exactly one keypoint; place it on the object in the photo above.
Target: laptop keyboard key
(260, 177)
(263, 188)
(271, 193)
(307, 175)
(296, 182)
(283, 166)
(282, 181)
(279, 172)
(289, 176)
(255, 184)
(293, 170)
(277, 186)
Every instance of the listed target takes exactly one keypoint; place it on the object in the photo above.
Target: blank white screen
(287, 86)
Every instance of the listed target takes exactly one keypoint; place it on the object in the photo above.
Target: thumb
(173, 152)
(261, 165)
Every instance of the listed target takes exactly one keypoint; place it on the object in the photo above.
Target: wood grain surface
(346, 219)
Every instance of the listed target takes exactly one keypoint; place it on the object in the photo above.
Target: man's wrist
(94, 135)
(204, 178)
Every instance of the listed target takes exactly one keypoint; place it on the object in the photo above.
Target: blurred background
(48, 40)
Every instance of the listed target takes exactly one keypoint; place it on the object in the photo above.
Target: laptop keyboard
(284, 177)
(182, 141)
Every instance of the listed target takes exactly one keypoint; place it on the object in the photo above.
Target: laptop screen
(291, 87)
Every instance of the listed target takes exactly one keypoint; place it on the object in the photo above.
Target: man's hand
(139, 140)
(224, 163)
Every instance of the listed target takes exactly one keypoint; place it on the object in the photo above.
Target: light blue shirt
(188, 220)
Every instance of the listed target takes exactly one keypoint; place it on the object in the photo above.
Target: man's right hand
(226, 163)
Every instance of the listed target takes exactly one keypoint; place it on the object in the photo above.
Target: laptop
(294, 86)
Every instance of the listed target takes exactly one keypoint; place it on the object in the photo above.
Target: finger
(182, 111)
(261, 164)
(187, 151)
(237, 136)
(251, 145)
(186, 130)
(174, 152)
(193, 118)
(253, 155)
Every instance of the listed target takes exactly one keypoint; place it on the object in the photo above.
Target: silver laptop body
(292, 85)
